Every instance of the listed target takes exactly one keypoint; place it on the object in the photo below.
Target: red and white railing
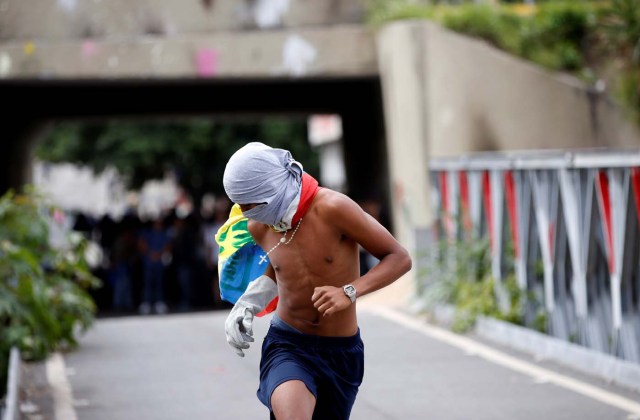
(578, 212)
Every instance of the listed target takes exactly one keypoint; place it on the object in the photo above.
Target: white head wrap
(271, 178)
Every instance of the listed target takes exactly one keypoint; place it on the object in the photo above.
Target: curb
(542, 346)
(601, 365)
(60, 388)
(11, 411)
(539, 374)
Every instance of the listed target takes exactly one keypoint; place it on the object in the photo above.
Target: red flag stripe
(464, 195)
(444, 198)
(510, 192)
(605, 206)
(635, 185)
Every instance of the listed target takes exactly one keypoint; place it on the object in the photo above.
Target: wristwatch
(350, 291)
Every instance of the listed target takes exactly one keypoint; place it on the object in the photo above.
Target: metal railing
(11, 410)
(574, 213)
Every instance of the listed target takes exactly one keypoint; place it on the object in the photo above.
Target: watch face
(350, 290)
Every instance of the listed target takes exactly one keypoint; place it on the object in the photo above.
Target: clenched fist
(329, 300)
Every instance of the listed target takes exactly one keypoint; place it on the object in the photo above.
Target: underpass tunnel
(37, 104)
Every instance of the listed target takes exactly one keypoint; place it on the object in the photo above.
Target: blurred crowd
(166, 263)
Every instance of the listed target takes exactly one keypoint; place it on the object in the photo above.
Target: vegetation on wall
(598, 42)
(459, 274)
(44, 302)
(621, 30)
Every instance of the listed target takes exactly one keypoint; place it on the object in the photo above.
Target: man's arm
(239, 324)
(353, 222)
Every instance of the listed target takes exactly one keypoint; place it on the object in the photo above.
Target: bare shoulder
(332, 203)
(337, 209)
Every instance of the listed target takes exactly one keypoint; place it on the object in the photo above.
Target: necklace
(283, 240)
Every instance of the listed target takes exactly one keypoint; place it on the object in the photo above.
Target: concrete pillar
(401, 74)
(20, 137)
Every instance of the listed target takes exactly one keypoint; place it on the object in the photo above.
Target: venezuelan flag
(238, 256)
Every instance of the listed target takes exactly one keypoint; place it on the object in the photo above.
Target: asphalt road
(180, 367)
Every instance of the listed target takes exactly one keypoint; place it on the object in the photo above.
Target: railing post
(577, 214)
(545, 206)
(12, 410)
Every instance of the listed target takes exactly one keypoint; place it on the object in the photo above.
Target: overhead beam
(335, 51)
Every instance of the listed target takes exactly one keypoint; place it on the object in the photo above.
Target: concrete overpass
(100, 59)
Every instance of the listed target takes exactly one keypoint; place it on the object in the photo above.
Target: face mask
(260, 214)
(258, 173)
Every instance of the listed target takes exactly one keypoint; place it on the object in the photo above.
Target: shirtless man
(312, 357)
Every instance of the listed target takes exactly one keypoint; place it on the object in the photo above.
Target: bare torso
(320, 254)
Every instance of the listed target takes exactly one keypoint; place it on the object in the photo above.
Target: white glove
(239, 323)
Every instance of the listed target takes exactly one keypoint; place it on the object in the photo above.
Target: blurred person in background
(312, 361)
(155, 248)
(184, 249)
(123, 255)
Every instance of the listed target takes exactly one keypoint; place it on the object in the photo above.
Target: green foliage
(460, 275)
(557, 35)
(540, 322)
(197, 150)
(621, 35)
(621, 28)
(43, 297)
(593, 40)
(628, 90)
(493, 25)
(551, 29)
(380, 12)
(554, 35)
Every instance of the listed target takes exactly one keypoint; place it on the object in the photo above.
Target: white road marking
(62, 395)
(470, 346)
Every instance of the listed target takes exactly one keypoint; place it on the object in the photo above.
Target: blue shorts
(332, 368)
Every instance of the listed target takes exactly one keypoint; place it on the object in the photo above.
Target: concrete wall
(337, 51)
(482, 99)
(98, 19)
(447, 95)
(184, 38)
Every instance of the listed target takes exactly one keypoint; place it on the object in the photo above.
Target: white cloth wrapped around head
(259, 174)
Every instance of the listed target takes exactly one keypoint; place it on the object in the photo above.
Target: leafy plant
(486, 22)
(460, 275)
(380, 12)
(628, 91)
(43, 290)
(621, 27)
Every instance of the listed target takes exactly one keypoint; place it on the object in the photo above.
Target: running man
(312, 360)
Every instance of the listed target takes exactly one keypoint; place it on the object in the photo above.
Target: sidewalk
(180, 367)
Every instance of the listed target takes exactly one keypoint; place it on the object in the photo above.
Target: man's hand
(239, 328)
(329, 300)
(239, 324)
